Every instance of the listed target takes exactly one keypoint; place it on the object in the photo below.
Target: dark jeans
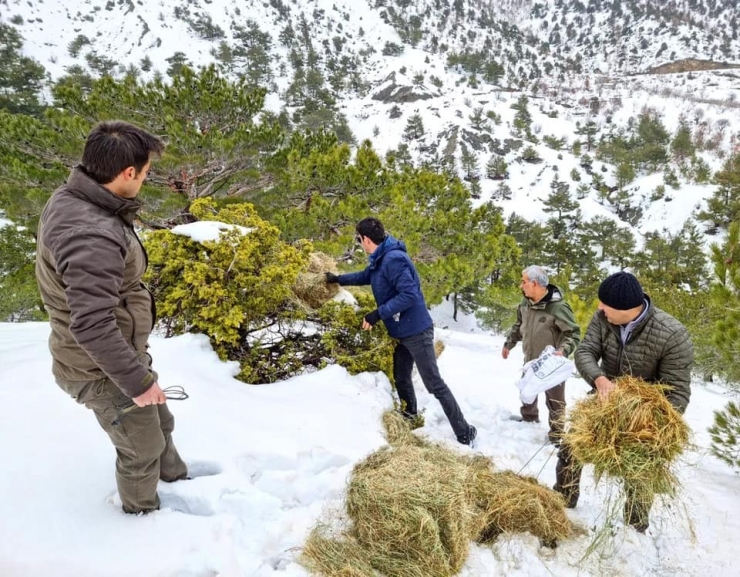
(419, 349)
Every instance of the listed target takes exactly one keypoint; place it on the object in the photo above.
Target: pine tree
(414, 128)
(497, 169)
(21, 78)
(469, 162)
(560, 201)
(588, 131)
(21, 301)
(613, 243)
(531, 238)
(723, 207)
(177, 62)
(252, 53)
(673, 259)
(478, 121)
(682, 145)
(725, 434)
(522, 118)
(625, 174)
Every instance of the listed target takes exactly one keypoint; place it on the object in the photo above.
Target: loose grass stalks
(414, 508)
(634, 435)
(439, 348)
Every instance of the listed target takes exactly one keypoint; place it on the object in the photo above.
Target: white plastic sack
(545, 372)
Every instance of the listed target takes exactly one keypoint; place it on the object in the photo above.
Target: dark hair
(113, 146)
(372, 228)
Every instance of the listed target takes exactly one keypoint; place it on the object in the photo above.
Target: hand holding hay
(311, 287)
(634, 434)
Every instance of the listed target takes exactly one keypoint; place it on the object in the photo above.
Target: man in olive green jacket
(543, 318)
(89, 266)
(628, 335)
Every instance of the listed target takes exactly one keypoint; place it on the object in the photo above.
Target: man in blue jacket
(397, 291)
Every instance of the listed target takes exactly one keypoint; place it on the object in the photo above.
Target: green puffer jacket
(549, 321)
(659, 350)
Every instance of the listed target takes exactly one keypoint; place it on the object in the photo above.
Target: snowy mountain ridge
(445, 65)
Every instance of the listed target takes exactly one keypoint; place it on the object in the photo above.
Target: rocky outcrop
(391, 92)
(690, 65)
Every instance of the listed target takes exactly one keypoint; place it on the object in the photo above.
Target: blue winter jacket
(396, 288)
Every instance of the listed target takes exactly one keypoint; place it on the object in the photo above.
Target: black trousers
(419, 349)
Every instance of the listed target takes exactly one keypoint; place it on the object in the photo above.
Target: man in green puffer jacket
(543, 318)
(89, 265)
(628, 335)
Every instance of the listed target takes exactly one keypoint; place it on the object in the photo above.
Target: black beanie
(621, 291)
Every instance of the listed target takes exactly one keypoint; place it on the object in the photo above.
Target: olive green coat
(659, 350)
(549, 321)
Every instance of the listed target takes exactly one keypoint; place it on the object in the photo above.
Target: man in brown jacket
(628, 335)
(543, 318)
(89, 266)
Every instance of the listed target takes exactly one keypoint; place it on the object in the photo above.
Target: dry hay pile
(414, 508)
(635, 434)
(310, 287)
(511, 503)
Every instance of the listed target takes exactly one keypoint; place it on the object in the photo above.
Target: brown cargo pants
(555, 401)
(142, 438)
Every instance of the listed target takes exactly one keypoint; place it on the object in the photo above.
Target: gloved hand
(372, 318)
(331, 278)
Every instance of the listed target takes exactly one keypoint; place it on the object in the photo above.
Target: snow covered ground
(273, 459)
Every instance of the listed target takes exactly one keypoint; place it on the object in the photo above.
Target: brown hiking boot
(520, 419)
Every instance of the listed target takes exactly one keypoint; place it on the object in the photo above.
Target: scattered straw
(414, 508)
(310, 286)
(439, 348)
(635, 434)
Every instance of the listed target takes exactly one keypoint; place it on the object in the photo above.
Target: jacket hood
(553, 295)
(389, 244)
(82, 185)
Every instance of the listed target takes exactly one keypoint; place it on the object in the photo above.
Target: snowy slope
(274, 459)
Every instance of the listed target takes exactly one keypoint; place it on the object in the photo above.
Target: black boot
(568, 477)
(469, 437)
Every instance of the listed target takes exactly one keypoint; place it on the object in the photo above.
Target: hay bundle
(411, 512)
(310, 287)
(635, 435)
(414, 508)
(510, 503)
